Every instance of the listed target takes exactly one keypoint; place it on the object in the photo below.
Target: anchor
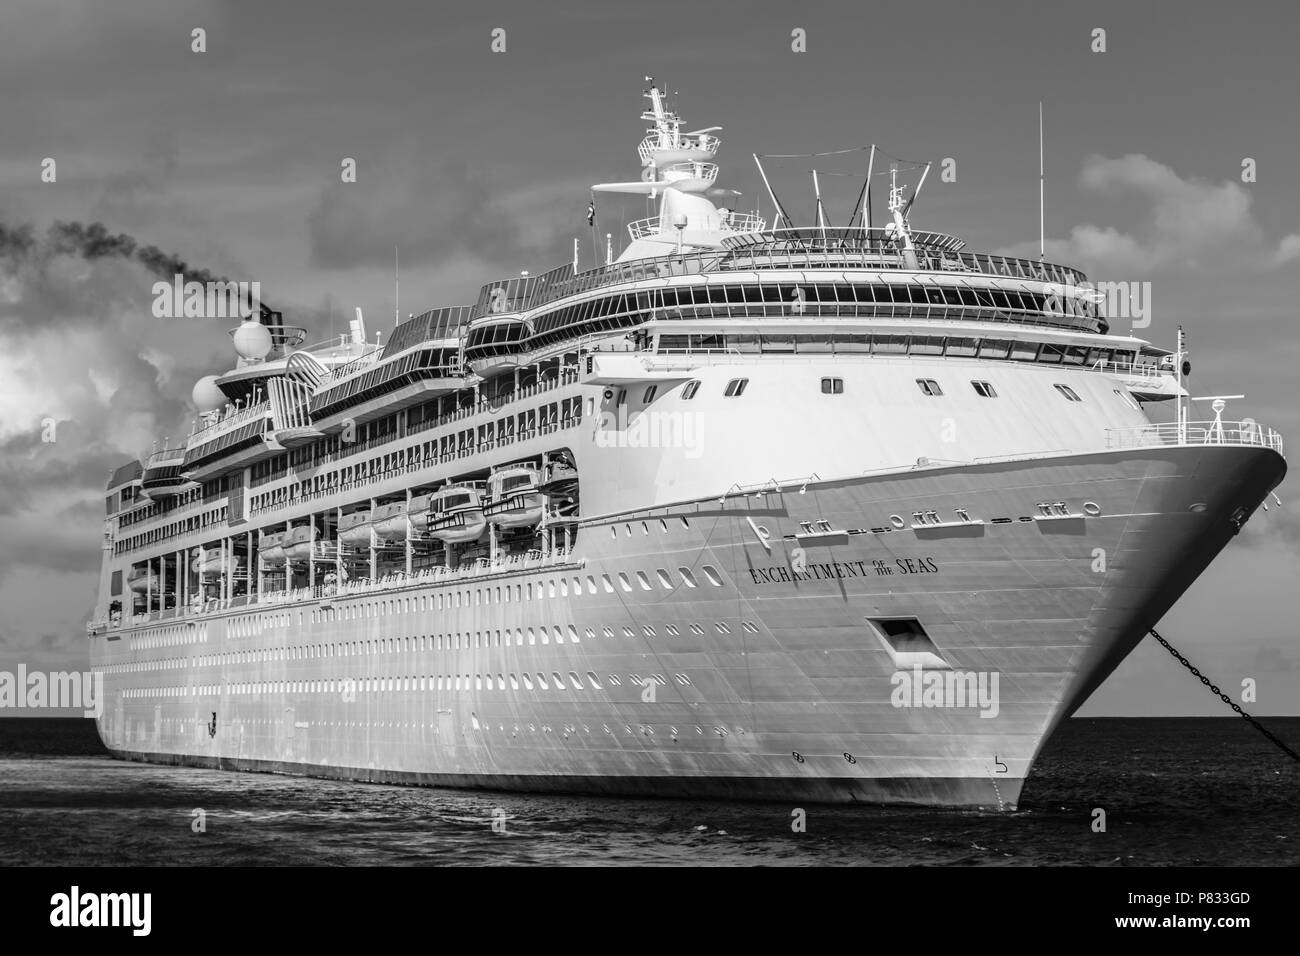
(212, 727)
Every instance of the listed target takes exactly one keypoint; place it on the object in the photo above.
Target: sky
(477, 164)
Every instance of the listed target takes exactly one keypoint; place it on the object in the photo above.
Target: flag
(591, 214)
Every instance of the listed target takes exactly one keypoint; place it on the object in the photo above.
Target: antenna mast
(871, 163)
(821, 218)
(397, 287)
(1042, 241)
(776, 203)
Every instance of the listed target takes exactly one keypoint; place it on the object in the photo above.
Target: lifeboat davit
(354, 529)
(298, 542)
(271, 548)
(516, 500)
(390, 521)
(457, 513)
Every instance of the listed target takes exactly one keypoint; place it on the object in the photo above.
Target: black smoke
(93, 241)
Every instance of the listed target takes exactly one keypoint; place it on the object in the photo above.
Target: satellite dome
(252, 340)
(207, 395)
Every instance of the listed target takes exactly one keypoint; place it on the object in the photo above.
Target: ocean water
(1190, 791)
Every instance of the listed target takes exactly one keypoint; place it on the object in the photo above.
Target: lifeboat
(516, 500)
(271, 548)
(354, 529)
(457, 513)
(140, 580)
(390, 521)
(298, 542)
(562, 481)
(208, 561)
(418, 513)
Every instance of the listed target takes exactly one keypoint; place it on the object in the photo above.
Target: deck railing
(228, 423)
(736, 222)
(1245, 432)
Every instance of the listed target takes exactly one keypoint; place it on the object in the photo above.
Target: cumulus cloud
(1184, 223)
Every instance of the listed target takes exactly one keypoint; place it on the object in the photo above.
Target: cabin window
(1127, 399)
(736, 387)
(832, 386)
(1069, 393)
(649, 395)
(929, 386)
(984, 390)
(691, 388)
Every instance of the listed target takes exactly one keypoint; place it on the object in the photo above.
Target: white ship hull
(792, 702)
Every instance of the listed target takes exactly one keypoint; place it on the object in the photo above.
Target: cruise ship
(803, 513)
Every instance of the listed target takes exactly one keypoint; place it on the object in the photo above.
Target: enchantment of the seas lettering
(829, 570)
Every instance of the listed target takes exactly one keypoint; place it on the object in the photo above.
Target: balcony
(689, 177)
(162, 474)
(655, 148)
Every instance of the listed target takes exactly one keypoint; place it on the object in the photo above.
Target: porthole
(1091, 508)
(897, 521)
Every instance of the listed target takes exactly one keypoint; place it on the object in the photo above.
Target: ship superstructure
(695, 522)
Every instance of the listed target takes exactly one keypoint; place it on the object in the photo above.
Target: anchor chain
(1224, 697)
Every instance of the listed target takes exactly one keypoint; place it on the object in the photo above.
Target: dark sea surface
(1191, 791)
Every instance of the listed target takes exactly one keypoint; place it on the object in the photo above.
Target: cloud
(1184, 223)
(1288, 250)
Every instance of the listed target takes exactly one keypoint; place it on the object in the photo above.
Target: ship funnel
(358, 327)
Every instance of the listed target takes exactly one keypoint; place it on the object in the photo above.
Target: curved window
(1069, 393)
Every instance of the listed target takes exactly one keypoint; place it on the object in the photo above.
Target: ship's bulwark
(795, 697)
